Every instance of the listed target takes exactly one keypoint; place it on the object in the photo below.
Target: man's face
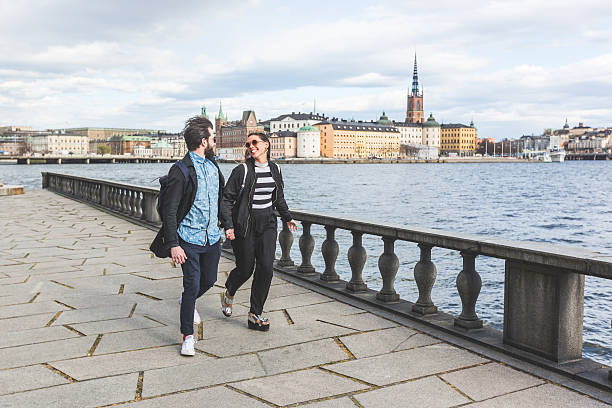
(210, 142)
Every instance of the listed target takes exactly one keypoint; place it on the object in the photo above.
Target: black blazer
(237, 204)
(177, 203)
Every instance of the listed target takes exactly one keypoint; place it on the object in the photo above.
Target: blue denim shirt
(200, 225)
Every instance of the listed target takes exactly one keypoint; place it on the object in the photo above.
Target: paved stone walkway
(89, 318)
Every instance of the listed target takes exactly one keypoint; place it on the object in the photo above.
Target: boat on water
(544, 157)
(557, 156)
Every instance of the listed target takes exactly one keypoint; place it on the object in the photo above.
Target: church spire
(415, 78)
(220, 114)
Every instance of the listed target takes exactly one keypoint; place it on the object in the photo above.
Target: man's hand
(292, 225)
(229, 234)
(178, 255)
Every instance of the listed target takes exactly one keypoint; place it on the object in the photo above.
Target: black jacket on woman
(237, 202)
(177, 202)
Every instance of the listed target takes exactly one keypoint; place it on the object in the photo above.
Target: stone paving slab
(19, 356)
(385, 341)
(82, 394)
(138, 339)
(300, 356)
(299, 386)
(28, 378)
(25, 322)
(489, 380)
(430, 392)
(259, 341)
(126, 362)
(115, 325)
(548, 396)
(67, 269)
(209, 397)
(408, 364)
(32, 336)
(344, 402)
(208, 372)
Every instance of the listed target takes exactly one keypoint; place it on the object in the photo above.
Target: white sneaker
(188, 348)
(196, 316)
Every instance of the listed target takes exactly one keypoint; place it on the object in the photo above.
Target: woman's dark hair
(264, 138)
(195, 130)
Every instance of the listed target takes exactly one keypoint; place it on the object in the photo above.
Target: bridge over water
(89, 318)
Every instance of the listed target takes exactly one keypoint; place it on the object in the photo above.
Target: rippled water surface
(562, 203)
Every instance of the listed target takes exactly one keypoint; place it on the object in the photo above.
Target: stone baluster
(131, 202)
(103, 199)
(285, 239)
(468, 286)
(329, 249)
(357, 258)
(307, 244)
(388, 264)
(150, 207)
(425, 276)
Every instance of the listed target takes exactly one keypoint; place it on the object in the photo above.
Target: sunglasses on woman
(253, 143)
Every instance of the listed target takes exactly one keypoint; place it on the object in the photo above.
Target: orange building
(341, 139)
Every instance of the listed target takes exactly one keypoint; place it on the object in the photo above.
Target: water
(561, 203)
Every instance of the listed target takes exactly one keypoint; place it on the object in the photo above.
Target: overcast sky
(515, 67)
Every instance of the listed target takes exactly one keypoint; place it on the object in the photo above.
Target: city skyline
(513, 68)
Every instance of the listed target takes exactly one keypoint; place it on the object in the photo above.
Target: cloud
(512, 66)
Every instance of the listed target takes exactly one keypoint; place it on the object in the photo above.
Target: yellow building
(458, 138)
(341, 139)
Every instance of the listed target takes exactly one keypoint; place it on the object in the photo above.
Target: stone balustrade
(543, 289)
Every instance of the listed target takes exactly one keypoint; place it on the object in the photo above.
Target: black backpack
(163, 186)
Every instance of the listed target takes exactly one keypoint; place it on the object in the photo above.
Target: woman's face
(257, 147)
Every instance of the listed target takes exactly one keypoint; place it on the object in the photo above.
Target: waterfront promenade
(89, 318)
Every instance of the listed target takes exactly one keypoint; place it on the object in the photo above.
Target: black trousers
(199, 275)
(255, 251)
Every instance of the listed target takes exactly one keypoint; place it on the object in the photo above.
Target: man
(190, 233)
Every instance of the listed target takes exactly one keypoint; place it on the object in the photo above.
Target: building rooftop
(284, 133)
(359, 126)
(300, 116)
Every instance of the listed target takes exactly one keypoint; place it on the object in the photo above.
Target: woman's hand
(229, 234)
(178, 255)
(292, 225)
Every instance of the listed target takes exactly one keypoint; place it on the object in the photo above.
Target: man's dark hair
(195, 130)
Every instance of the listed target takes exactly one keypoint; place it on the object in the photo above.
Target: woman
(253, 191)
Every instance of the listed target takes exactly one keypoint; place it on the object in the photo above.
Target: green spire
(203, 114)
(220, 115)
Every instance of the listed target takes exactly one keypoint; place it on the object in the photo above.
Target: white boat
(557, 156)
(545, 157)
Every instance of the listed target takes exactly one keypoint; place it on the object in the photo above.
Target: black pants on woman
(256, 252)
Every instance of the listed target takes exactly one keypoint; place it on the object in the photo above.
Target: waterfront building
(283, 144)
(162, 148)
(177, 141)
(419, 151)
(342, 139)
(233, 134)
(458, 138)
(431, 132)
(142, 151)
(410, 133)
(121, 145)
(295, 121)
(12, 145)
(308, 142)
(414, 109)
(592, 142)
(54, 143)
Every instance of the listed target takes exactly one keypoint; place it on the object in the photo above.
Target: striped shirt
(264, 187)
